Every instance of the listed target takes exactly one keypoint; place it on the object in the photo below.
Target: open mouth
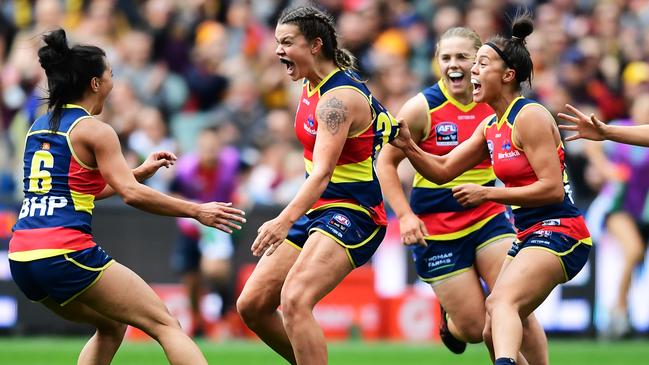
(476, 85)
(455, 77)
(290, 66)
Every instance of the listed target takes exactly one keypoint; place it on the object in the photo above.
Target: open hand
(588, 127)
(221, 216)
(269, 236)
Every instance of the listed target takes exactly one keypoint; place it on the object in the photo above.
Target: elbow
(130, 195)
(557, 195)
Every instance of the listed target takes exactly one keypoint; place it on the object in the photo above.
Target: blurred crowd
(183, 66)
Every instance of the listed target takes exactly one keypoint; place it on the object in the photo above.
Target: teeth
(475, 81)
(455, 74)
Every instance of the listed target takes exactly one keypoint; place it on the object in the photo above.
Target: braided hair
(314, 23)
(68, 71)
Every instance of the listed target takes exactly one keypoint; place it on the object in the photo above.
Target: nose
(474, 68)
(279, 50)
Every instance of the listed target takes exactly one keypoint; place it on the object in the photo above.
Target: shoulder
(94, 131)
(434, 96)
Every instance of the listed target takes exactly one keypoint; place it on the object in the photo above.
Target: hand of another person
(269, 236)
(413, 230)
(221, 216)
(585, 126)
(470, 195)
(403, 137)
(153, 163)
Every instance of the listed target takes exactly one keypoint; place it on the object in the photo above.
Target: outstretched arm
(102, 141)
(537, 135)
(335, 113)
(589, 127)
(412, 228)
(148, 168)
(442, 169)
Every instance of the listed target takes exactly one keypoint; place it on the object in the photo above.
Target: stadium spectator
(553, 242)
(71, 159)
(336, 220)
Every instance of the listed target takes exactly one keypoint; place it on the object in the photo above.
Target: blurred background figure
(202, 254)
(624, 173)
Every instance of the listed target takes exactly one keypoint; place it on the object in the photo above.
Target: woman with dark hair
(455, 247)
(72, 159)
(336, 220)
(525, 148)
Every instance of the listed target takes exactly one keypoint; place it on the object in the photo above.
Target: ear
(509, 76)
(94, 83)
(316, 45)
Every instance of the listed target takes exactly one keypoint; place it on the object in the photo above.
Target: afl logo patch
(446, 134)
(340, 222)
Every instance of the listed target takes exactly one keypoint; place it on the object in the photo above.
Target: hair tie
(501, 54)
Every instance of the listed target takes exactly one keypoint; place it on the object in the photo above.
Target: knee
(471, 330)
(294, 302)
(115, 331)
(496, 301)
(252, 308)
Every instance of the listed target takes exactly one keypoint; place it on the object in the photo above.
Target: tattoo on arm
(333, 113)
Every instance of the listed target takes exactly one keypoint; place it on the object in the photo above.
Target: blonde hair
(460, 32)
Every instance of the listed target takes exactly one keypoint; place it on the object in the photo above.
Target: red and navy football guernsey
(449, 124)
(354, 183)
(56, 214)
(513, 169)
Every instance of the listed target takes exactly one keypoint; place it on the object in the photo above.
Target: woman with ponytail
(336, 220)
(72, 159)
(523, 143)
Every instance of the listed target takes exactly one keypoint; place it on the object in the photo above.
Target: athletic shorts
(572, 253)
(353, 230)
(61, 277)
(442, 259)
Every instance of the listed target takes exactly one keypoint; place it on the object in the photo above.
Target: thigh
(462, 296)
(490, 260)
(529, 278)
(121, 295)
(265, 283)
(322, 265)
(76, 311)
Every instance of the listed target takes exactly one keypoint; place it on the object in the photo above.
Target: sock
(505, 361)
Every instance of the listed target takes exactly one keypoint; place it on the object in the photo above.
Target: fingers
(273, 247)
(576, 111)
(564, 127)
(573, 137)
(568, 118)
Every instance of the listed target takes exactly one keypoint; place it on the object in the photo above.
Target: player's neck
(503, 101)
(320, 71)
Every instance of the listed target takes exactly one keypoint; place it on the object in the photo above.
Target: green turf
(55, 351)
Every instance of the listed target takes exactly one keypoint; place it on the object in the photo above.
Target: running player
(336, 220)
(589, 127)
(72, 159)
(523, 142)
(454, 247)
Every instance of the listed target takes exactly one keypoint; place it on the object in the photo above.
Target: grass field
(55, 351)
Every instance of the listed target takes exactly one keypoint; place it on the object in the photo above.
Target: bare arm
(148, 168)
(590, 127)
(101, 140)
(537, 135)
(412, 229)
(335, 113)
(442, 169)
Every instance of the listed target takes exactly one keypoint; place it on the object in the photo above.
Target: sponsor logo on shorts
(551, 222)
(438, 260)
